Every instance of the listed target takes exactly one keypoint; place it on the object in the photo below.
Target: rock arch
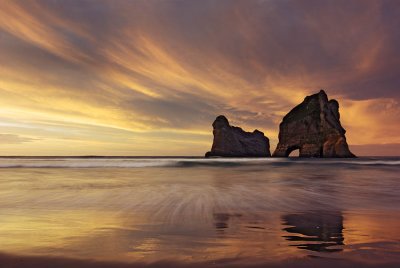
(314, 128)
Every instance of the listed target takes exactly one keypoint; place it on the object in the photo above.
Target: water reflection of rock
(221, 220)
(316, 231)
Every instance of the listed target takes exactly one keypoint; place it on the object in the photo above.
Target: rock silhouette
(314, 128)
(231, 141)
(317, 231)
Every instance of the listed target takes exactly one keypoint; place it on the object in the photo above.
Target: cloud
(14, 139)
(376, 149)
(371, 121)
(172, 66)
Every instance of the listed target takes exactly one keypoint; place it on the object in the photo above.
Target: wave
(104, 162)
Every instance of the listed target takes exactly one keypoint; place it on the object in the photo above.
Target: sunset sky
(149, 77)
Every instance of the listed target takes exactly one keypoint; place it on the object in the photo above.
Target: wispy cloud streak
(154, 74)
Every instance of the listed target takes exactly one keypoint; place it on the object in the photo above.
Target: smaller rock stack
(231, 141)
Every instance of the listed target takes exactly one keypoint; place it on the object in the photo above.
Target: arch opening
(293, 151)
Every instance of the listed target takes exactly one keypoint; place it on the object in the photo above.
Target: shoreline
(27, 261)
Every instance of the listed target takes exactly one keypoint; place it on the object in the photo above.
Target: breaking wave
(119, 162)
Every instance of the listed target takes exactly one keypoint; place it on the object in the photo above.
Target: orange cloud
(153, 77)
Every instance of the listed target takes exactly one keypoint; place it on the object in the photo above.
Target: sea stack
(314, 128)
(231, 141)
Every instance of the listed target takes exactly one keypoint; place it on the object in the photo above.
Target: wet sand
(197, 213)
(43, 262)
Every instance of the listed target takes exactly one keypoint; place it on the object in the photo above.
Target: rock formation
(314, 128)
(231, 141)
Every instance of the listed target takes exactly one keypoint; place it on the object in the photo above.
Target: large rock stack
(314, 128)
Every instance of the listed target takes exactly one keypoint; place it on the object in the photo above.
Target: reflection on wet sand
(317, 231)
(221, 220)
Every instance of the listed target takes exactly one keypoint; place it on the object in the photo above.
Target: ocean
(197, 212)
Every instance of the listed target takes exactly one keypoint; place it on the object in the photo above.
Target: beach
(195, 212)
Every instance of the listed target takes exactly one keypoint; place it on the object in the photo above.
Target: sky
(148, 77)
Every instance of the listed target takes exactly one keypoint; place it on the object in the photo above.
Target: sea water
(195, 211)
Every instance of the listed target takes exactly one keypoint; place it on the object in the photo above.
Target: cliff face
(231, 141)
(314, 128)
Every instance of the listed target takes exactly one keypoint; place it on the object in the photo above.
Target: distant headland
(313, 127)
